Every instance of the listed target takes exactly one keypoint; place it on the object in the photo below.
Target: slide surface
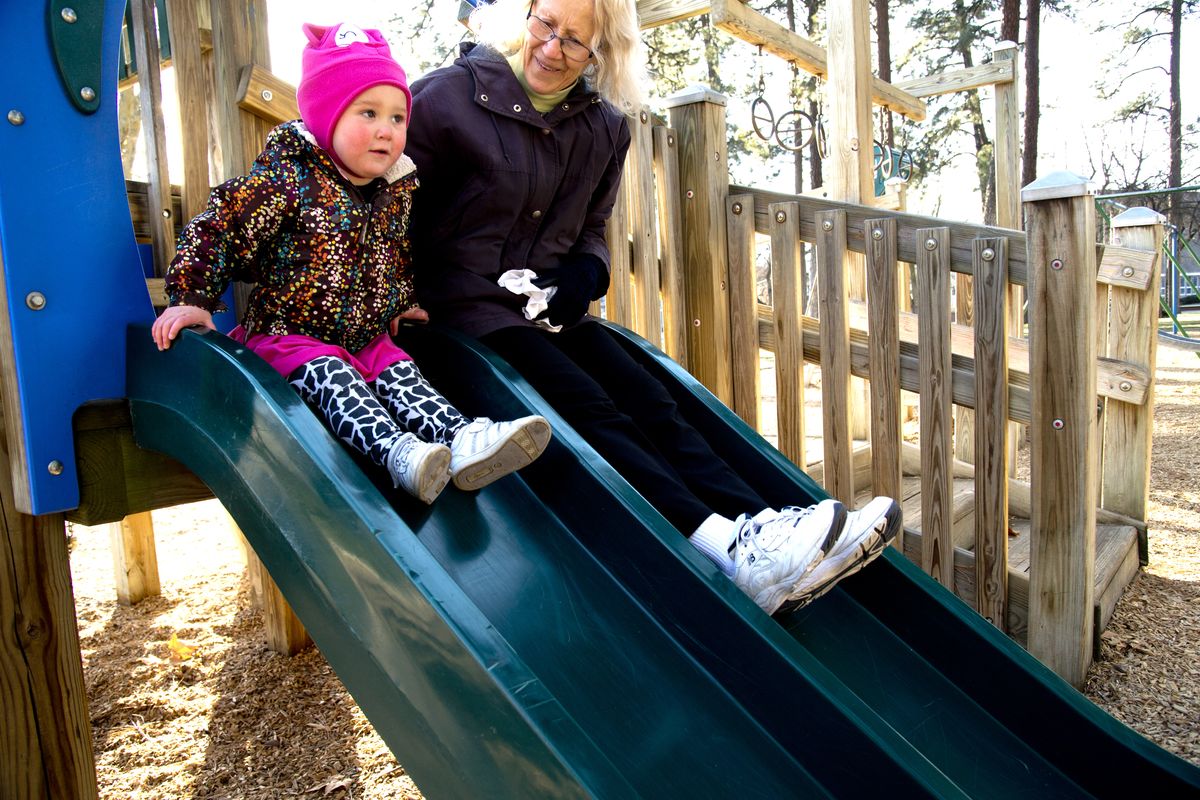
(553, 636)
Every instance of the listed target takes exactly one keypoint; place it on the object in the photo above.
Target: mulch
(186, 700)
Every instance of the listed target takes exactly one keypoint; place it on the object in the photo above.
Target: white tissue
(520, 281)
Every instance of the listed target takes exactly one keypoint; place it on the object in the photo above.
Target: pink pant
(286, 353)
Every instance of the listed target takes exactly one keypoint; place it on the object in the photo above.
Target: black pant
(630, 418)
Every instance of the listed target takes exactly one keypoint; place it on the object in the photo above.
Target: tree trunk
(1175, 169)
(883, 50)
(1032, 89)
(1010, 20)
(816, 179)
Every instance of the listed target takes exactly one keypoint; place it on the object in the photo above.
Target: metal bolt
(931, 244)
(696, 323)
(826, 225)
(16, 117)
(690, 194)
(1059, 424)
(722, 286)
(854, 145)
(670, 141)
(1056, 264)
(166, 212)
(55, 467)
(1127, 272)
(35, 300)
(268, 95)
(1126, 386)
(877, 235)
(643, 117)
(88, 94)
(780, 216)
(69, 16)
(988, 254)
(737, 209)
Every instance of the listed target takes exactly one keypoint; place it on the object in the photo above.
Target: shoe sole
(506, 456)
(771, 598)
(433, 475)
(884, 530)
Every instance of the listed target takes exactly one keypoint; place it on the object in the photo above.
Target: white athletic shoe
(419, 468)
(776, 549)
(485, 451)
(864, 538)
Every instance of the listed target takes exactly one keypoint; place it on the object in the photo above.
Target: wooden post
(284, 631)
(835, 355)
(193, 102)
(698, 117)
(743, 306)
(45, 730)
(1061, 220)
(670, 242)
(643, 239)
(1133, 328)
(883, 321)
(162, 226)
(787, 291)
(135, 562)
(990, 263)
(933, 339)
(850, 176)
(618, 302)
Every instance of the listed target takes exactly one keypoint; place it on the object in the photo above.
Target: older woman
(519, 147)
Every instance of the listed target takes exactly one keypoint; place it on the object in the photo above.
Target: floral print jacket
(330, 260)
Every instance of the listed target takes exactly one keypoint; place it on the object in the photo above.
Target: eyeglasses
(571, 48)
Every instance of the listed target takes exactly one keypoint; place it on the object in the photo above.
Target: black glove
(580, 279)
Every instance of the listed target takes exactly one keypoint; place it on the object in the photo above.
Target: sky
(1074, 122)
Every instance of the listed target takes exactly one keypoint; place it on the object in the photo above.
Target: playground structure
(683, 253)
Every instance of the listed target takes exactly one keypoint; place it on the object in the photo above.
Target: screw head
(737, 209)
(877, 235)
(690, 194)
(696, 323)
(1127, 272)
(670, 141)
(780, 216)
(1056, 264)
(826, 225)
(69, 16)
(55, 467)
(16, 117)
(268, 95)
(988, 254)
(1126, 386)
(1059, 424)
(931, 244)
(87, 93)
(35, 300)
(643, 117)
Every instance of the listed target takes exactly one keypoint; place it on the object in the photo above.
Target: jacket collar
(497, 89)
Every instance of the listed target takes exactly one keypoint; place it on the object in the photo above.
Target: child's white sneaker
(863, 539)
(486, 451)
(776, 549)
(419, 468)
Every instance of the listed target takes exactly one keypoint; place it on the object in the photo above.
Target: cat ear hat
(338, 64)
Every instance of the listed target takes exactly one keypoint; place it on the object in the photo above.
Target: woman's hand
(577, 282)
(413, 313)
(175, 319)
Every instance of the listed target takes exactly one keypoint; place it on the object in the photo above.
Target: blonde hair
(617, 70)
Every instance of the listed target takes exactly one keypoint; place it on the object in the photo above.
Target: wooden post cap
(1055, 186)
(1136, 217)
(695, 93)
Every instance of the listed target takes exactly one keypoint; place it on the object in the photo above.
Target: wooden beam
(135, 560)
(743, 322)
(652, 13)
(265, 96)
(738, 19)
(145, 40)
(960, 80)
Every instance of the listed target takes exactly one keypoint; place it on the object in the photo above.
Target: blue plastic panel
(65, 233)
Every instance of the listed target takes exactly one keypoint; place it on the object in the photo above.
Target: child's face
(370, 135)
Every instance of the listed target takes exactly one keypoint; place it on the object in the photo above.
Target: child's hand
(413, 313)
(175, 319)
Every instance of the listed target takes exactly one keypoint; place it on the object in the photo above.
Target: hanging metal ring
(762, 117)
(794, 130)
(904, 165)
(822, 138)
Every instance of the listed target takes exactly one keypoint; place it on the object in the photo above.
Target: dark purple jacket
(504, 187)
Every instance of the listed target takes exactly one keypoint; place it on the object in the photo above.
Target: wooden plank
(139, 211)
(652, 13)
(743, 22)
(699, 121)
(265, 96)
(670, 243)
(743, 320)
(1061, 221)
(991, 446)
(135, 563)
(884, 345)
(997, 72)
(964, 417)
(933, 311)
(193, 102)
(46, 745)
(643, 237)
(1128, 429)
(145, 44)
(618, 301)
(787, 289)
(1129, 267)
(832, 294)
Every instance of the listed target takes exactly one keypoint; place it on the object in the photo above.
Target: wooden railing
(1080, 375)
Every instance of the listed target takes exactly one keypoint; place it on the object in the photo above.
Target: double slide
(553, 636)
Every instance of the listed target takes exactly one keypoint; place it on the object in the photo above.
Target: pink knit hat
(338, 64)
